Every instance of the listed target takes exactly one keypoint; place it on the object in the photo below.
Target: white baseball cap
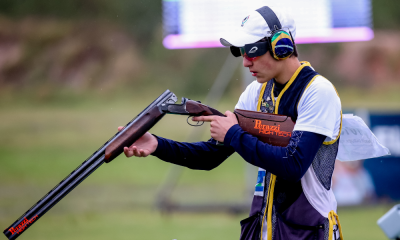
(254, 27)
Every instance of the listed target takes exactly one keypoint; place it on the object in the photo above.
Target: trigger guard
(197, 125)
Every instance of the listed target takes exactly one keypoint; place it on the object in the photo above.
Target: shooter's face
(264, 67)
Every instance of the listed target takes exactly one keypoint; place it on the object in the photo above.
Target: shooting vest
(280, 203)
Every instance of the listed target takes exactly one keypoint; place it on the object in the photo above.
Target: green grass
(40, 144)
(360, 222)
(134, 224)
(130, 223)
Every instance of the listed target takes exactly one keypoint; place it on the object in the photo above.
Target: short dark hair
(295, 53)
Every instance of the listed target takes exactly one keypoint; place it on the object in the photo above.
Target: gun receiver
(190, 108)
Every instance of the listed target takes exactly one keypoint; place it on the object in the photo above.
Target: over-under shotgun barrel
(106, 153)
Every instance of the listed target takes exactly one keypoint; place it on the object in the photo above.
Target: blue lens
(242, 51)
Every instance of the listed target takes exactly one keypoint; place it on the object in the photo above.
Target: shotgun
(106, 153)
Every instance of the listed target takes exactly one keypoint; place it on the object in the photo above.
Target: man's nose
(247, 63)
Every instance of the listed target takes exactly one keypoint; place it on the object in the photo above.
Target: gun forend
(139, 126)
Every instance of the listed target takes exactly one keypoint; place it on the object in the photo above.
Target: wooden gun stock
(269, 128)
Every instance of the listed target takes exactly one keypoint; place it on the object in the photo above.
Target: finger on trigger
(198, 118)
(207, 118)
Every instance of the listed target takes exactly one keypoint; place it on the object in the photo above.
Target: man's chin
(262, 80)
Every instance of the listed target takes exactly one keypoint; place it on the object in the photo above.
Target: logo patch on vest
(259, 191)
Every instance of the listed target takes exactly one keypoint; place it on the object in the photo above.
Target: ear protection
(280, 44)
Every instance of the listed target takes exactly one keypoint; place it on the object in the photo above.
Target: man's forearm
(290, 162)
(199, 155)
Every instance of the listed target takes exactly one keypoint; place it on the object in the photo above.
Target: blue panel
(386, 128)
(354, 13)
(385, 171)
(385, 174)
(171, 24)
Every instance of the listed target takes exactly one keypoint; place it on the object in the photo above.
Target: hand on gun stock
(143, 147)
(219, 126)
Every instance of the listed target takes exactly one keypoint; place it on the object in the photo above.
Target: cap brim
(238, 39)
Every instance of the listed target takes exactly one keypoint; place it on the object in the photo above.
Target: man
(293, 197)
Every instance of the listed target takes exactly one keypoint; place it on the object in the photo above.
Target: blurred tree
(386, 14)
(140, 17)
(44, 8)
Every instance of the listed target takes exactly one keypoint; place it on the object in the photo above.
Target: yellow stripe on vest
(332, 216)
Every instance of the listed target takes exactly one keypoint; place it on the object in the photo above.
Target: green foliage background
(139, 17)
